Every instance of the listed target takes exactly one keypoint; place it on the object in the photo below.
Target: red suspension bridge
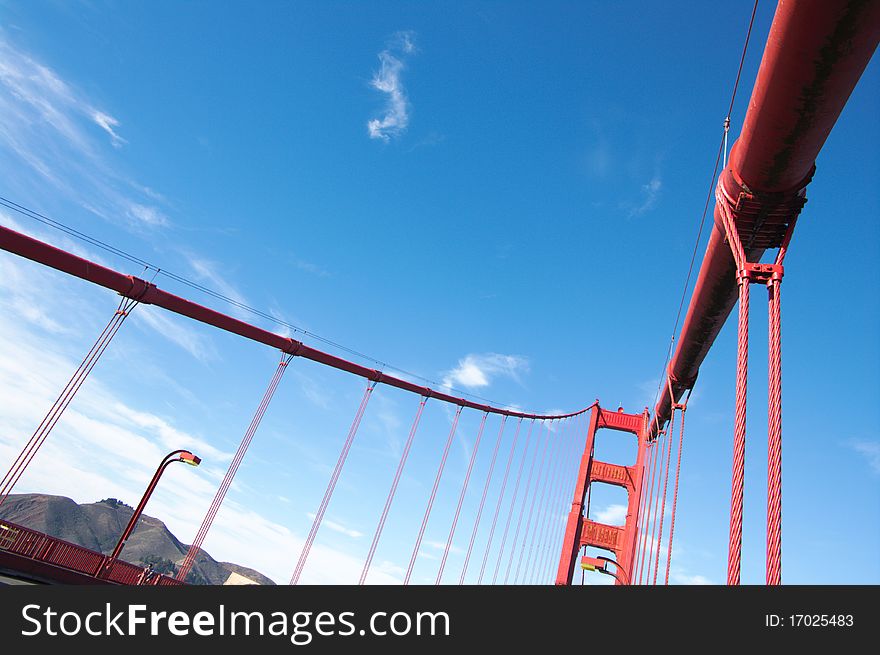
(813, 59)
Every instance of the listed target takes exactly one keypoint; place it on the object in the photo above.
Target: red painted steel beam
(148, 293)
(814, 56)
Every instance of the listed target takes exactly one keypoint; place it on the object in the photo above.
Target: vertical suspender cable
(522, 507)
(513, 503)
(554, 499)
(380, 526)
(643, 499)
(532, 504)
(415, 553)
(38, 438)
(655, 447)
(657, 509)
(539, 534)
(663, 502)
(220, 494)
(774, 441)
(557, 498)
(675, 492)
(774, 420)
(734, 557)
(500, 500)
(464, 488)
(577, 447)
(532, 534)
(482, 500)
(331, 485)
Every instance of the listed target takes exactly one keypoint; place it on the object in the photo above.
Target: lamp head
(188, 458)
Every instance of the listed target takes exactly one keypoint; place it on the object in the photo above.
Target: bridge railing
(41, 547)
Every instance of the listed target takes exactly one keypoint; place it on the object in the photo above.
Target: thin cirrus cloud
(387, 80)
(107, 123)
(338, 527)
(870, 450)
(612, 515)
(51, 132)
(649, 198)
(475, 371)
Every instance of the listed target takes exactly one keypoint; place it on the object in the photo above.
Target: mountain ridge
(97, 526)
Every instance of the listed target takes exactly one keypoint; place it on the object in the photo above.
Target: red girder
(614, 474)
(600, 535)
(148, 293)
(814, 56)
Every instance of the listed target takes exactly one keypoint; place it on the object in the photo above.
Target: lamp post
(616, 566)
(175, 456)
(600, 565)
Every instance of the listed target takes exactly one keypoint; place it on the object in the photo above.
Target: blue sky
(503, 196)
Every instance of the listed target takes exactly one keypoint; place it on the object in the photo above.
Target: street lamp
(176, 456)
(616, 566)
(600, 565)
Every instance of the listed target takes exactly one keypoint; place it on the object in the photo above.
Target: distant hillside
(99, 525)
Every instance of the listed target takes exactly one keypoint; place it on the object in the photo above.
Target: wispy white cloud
(147, 215)
(612, 515)
(649, 197)
(387, 80)
(309, 267)
(313, 391)
(870, 450)
(680, 577)
(178, 332)
(107, 123)
(208, 272)
(477, 370)
(338, 527)
(48, 129)
(441, 545)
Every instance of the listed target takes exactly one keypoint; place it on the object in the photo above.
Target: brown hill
(98, 526)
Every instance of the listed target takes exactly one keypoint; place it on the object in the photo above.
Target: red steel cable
(553, 500)
(532, 504)
(675, 494)
(578, 444)
(513, 503)
(652, 535)
(482, 501)
(539, 536)
(663, 501)
(556, 500)
(74, 383)
(532, 535)
(220, 494)
(522, 507)
(415, 553)
(564, 503)
(464, 488)
(774, 421)
(655, 447)
(734, 557)
(381, 525)
(643, 499)
(500, 500)
(331, 485)
(654, 511)
(774, 443)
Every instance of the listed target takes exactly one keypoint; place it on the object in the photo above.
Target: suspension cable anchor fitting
(760, 273)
